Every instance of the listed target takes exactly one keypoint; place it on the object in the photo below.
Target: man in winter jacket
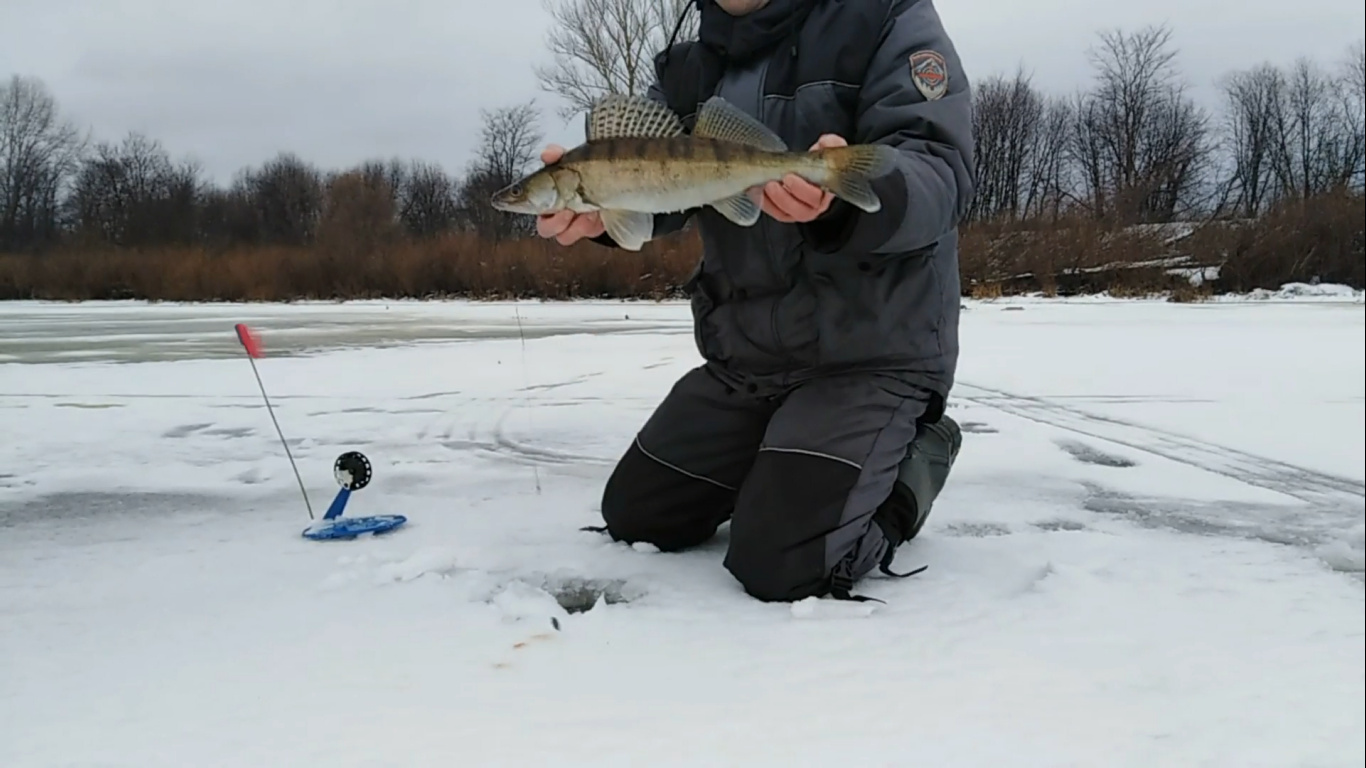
(816, 424)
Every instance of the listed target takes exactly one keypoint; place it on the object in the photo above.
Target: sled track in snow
(1311, 486)
(495, 442)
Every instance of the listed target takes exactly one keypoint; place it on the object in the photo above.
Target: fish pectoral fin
(618, 116)
(739, 209)
(630, 229)
(719, 119)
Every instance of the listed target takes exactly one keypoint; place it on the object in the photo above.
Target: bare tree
(39, 152)
(1292, 133)
(1088, 153)
(1048, 173)
(1179, 154)
(426, 200)
(227, 216)
(286, 199)
(1314, 148)
(385, 174)
(1352, 83)
(510, 142)
(133, 194)
(1252, 99)
(1354, 68)
(608, 46)
(1006, 115)
(1134, 72)
(1139, 139)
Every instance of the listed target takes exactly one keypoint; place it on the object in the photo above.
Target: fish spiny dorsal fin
(719, 119)
(619, 116)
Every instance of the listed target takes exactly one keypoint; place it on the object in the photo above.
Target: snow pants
(798, 475)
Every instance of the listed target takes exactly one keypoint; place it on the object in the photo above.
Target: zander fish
(637, 161)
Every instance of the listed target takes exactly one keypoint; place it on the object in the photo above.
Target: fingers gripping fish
(637, 161)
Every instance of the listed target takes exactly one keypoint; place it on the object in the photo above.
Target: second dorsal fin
(719, 119)
(618, 116)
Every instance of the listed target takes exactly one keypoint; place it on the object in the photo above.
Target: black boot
(919, 479)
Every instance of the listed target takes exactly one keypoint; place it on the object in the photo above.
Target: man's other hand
(795, 200)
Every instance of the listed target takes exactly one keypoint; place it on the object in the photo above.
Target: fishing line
(526, 390)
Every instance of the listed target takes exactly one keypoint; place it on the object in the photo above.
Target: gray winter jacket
(776, 304)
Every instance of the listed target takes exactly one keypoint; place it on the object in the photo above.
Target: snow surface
(1150, 553)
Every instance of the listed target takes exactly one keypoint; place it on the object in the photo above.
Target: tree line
(60, 189)
(1134, 147)
(1137, 148)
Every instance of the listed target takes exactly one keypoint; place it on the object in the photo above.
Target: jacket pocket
(878, 307)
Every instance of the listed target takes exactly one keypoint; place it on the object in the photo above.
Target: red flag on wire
(250, 341)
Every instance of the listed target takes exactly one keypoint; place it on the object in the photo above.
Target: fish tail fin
(850, 169)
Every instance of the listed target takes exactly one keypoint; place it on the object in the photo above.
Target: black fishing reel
(352, 470)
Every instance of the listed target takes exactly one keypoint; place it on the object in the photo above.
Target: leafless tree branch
(39, 154)
(601, 47)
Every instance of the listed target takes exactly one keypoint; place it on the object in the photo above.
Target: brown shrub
(1071, 256)
(1189, 294)
(1320, 239)
(455, 264)
(985, 290)
(359, 220)
(358, 254)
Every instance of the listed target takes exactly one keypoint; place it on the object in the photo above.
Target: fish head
(533, 194)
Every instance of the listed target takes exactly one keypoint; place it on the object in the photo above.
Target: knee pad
(923, 473)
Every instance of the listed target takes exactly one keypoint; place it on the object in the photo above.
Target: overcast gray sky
(232, 82)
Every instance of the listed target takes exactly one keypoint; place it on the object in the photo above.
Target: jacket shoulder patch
(930, 74)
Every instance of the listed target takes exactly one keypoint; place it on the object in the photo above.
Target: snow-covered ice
(1150, 553)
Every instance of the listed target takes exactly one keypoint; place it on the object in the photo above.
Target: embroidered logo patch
(930, 74)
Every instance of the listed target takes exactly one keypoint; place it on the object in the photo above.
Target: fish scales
(675, 173)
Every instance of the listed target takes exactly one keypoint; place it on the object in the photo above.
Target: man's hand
(566, 227)
(795, 200)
